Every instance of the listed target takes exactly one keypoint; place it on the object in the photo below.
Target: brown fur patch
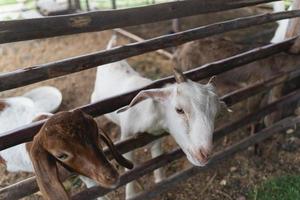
(2, 161)
(2, 105)
(28, 146)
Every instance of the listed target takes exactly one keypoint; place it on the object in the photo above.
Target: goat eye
(62, 156)
(179, 111)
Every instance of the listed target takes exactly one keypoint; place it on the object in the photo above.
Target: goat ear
(211, 81)
(46, 172)
(116, 154)
(155, 94)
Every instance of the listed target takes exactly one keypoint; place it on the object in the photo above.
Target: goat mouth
(196, 162)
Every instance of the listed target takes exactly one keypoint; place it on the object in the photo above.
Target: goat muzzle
(202, 155)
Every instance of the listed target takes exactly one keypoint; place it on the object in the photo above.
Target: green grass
(281, 188)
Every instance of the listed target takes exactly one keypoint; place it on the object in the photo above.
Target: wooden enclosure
(20, 30)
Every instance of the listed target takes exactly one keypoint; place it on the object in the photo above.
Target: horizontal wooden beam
(47, 71)
(27, 29)
(149, 166)
(19, 190)
(173, 180)
(252, 117)
(26, 133)
(136, 38)
(244, 93)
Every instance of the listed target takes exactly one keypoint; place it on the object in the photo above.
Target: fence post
(76, 4)
(88, 8)
(114, 4)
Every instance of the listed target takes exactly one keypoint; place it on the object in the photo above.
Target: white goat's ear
(155, 94)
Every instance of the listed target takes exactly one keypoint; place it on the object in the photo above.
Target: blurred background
(22, 9)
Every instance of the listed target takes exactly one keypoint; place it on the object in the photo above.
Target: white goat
(185, 109)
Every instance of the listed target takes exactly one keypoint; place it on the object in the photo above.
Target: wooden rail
(136, 38)
(27, 29)
(25, 133)
(29, 186)
(47, 71)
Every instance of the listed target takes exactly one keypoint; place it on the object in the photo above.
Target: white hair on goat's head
(191, 115)
(190, 111)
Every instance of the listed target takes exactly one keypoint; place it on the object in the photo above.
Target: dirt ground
(231, 179)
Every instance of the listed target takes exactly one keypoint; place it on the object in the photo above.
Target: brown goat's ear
(155, 94)
(116, 154)
(46, 172)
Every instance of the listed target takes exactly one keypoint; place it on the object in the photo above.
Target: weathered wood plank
(25, 133)
(136, 38)
(47, 71)
(27, 29)
(252, 117)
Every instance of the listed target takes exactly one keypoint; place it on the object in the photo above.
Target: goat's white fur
(192, 131)
(281, 30)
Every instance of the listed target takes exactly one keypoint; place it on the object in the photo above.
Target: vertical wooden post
(87, 2)
(77, 4)
(294, 29)
(176, 25)
(74, 4)
(69, 4)
(114, 4)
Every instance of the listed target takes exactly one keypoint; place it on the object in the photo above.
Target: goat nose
(202, 155)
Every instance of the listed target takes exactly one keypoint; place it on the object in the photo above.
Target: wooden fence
(19, 30)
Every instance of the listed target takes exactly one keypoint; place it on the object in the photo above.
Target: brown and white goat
(71, 140)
